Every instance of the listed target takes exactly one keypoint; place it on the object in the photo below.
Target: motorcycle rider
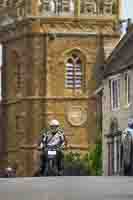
(54, 137)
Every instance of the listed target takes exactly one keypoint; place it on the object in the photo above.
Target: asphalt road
(67, 188)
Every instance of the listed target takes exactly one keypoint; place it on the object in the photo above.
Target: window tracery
(74, 71)
(63, 7)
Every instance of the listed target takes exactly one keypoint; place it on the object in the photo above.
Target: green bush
(95, 160)
(90, 164)
(95, 157)
(76, 163)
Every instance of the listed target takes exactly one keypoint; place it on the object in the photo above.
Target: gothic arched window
(74, 71)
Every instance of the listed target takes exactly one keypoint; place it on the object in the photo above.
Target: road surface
(67, 188)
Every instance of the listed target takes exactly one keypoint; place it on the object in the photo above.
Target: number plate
(52, 153)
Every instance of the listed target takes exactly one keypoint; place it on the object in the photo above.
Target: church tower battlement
(49, 52)
(19, 9)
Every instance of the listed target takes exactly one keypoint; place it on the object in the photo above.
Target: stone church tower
(49, 50)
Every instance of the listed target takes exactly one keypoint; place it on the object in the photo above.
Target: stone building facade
(117, 101)
(49, 50)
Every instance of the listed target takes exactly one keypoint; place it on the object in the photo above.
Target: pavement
(67, 188)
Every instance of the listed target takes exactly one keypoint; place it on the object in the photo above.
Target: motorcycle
(51, 168)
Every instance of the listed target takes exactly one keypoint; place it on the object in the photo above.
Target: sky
(127, 8)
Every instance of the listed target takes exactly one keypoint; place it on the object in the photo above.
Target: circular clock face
(76, 115)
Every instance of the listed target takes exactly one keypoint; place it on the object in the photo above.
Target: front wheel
(51, 168)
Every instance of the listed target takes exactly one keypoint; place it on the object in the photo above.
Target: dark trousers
(60, 158)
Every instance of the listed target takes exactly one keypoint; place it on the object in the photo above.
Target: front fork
(51, 166)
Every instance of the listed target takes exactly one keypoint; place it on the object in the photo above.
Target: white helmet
(54, 122)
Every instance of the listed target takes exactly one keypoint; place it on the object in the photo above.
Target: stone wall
(122, 113)
(0, 119)
(35, 51)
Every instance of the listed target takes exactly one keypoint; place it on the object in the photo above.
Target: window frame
(116, 107)
(127, 88)
(76, 76)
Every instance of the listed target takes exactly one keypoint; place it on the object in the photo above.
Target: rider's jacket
(49, 139)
